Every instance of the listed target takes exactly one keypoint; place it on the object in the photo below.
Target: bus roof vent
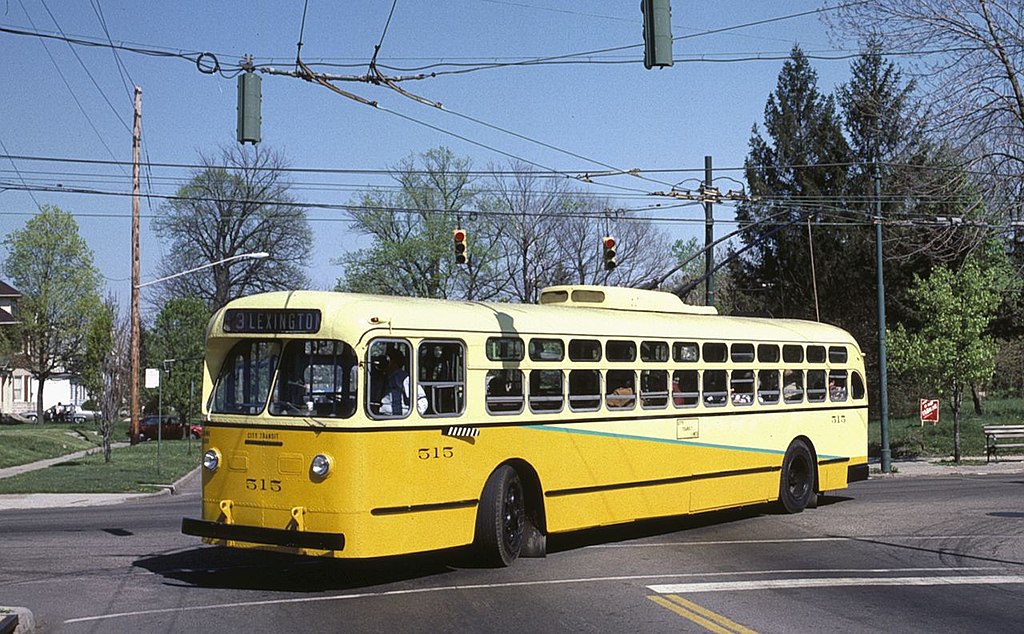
(621, 299)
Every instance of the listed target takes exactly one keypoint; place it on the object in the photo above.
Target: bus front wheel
(501, 518)
(797, 484)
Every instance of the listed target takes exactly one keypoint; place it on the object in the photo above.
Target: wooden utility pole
(136, 327)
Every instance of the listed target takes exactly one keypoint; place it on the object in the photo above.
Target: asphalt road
(897, 554)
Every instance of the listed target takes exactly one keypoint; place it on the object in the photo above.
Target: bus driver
(396, 387)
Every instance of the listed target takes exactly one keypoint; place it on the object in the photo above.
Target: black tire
(797, 483)
(501, 518)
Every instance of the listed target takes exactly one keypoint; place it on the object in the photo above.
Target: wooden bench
(996, 435)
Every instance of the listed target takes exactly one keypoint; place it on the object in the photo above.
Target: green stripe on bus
(670, 441)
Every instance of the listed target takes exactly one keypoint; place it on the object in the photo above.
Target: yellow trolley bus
(359, 426)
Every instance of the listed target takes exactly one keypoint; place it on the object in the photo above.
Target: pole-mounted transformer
(657, 33)
(249, 103)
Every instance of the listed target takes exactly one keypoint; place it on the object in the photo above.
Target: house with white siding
(18, 388)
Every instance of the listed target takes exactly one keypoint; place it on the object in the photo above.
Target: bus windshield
(317, 378)
(244, 381)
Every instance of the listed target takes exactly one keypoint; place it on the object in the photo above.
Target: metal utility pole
(709, 239)
(136, 328)
(883, 372)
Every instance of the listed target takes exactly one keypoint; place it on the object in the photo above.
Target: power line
(122, 70)
(548, 173)
(67, 84)
(88, 73)
(633, 215)
(22, 178)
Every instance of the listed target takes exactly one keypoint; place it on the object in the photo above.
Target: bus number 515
(431, 453)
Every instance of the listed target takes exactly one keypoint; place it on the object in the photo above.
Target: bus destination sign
(272, 320)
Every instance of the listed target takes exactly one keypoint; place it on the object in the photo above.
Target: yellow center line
(711, 621)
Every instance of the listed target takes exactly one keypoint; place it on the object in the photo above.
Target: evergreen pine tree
(798, 174)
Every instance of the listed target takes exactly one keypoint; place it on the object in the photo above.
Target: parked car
(171, 427)
(195, 430)
(58, 414)
(79, 415)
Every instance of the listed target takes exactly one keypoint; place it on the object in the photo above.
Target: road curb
(15, 620)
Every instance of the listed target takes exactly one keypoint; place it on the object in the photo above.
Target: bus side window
(858, 386)
(816, 390)
(815, 354)
(654, 388)
(621, 388)
(793, 386)
(837, 385)
(504, 391)
(584, 390)
(837, 354)
(685, 388)
(546, 390)
(715, 387)
(388, 378)
(768, 387)
(442, 375)
(741, 385)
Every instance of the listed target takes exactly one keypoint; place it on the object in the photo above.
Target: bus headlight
(211, 460)
(320, 466)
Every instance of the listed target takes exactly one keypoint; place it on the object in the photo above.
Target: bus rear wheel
(501, 518)
(797, 483)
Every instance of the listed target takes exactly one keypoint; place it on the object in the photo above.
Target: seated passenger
(620, 397)
(742, 398)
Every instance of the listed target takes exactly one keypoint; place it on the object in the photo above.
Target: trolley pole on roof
(883, 372)
(709, 239)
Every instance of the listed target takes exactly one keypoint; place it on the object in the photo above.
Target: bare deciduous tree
(973, 71)
(240, 205)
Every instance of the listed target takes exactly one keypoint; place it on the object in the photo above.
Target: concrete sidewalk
(938, 467)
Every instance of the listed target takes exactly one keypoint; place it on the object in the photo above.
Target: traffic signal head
(249, 117)
(608, 251)
(657, 33)
(461, 255)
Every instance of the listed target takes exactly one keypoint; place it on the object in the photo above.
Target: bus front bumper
(261, 535)
(857, 473)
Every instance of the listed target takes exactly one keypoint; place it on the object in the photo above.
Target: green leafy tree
(106, 367)
(797, 177)
(175, 345)
(411, 252)
(238, 205)
(952, 349)
(50, 263)
(524, 233)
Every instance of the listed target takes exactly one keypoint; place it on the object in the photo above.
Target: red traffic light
(459, 236)
(608, 242)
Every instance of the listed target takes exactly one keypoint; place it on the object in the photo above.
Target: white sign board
(152, 377)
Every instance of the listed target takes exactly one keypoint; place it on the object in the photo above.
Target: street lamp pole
(136, 328)
(244, 256)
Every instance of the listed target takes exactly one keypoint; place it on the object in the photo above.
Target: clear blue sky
(617, 114)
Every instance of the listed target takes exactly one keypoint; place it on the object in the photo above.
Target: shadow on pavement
(226, 568)
(642, 529)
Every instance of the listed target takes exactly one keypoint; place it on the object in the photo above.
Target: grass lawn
(21, 444)
(908, 439)
(131, 470)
